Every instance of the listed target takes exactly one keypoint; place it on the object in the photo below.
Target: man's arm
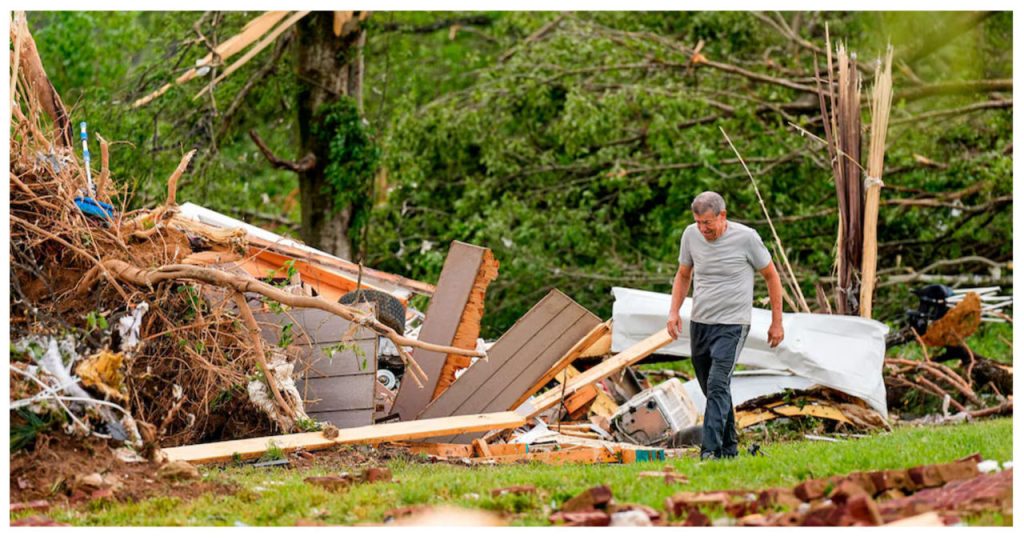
(771, 276)
(680, 286)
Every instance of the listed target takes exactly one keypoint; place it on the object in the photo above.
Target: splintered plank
(399, 431)
(624, 359)
(441, 324)
(468, 330)
(524, 353)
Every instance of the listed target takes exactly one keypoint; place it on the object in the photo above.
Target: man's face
(711, 225)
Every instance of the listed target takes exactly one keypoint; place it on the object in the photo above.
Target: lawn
(279, 496)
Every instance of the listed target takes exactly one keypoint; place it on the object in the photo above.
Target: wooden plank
(399, 431)
(601, 347)
(328, 393)
(462, 450)
(515, 340)
(439, 326)
(625, 358)
(603, 404)
(557, 457)
(350, 418)
(315, 363)
(514, 362)
(480, 448)
(599, 331)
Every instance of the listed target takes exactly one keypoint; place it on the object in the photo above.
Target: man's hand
(675, 325)
(775, 334)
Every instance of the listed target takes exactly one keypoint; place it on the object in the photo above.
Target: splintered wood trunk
(329, 67)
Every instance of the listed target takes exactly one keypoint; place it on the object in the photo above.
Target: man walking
(720, 257)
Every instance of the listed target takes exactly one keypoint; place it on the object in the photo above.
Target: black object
(755, 450)
(390, 310)
(932, 306)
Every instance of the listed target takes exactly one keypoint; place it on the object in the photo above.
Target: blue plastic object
(92, 207)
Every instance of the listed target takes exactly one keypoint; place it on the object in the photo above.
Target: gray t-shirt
(723, 272)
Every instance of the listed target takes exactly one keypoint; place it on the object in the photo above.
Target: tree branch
(303, 165)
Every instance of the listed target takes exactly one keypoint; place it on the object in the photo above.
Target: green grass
(279, 497)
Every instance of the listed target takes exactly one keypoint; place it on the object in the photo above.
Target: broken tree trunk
(399, 431)
(881, 101)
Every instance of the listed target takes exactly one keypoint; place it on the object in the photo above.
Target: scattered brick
(37, 521)
(586, 518)
(375, 474)
(813, 489)
(38, 504)
(695, 518)
(513, 490)
(594, 498)
(331, 483)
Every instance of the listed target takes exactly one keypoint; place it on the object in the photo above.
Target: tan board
(399, 431)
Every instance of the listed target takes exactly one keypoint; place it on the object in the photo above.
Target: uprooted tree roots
(77, 275)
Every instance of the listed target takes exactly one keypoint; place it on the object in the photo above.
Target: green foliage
(351, 159)
(273, 453)
(27, 425)
(574, 156)
(307, 425)
(95, 320)
(286, 336)
(343, 346)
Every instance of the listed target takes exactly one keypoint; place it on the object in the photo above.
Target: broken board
(626, 358)
(524, 353)
(399, 431)
(440, 325)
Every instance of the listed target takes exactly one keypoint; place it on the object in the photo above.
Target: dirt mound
(70, 470)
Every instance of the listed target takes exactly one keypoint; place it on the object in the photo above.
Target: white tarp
(838, 351)
(747, 385)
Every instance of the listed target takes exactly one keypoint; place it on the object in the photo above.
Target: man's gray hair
(709, 201)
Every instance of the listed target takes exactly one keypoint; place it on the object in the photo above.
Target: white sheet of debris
(837, 351)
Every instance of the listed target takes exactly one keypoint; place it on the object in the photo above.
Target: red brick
(696, 519)
(813, 489)
(591, 499)
(38, 504)
(376, 474)
(589, 518)
(925, 476)
(330, 483)
(513, 489)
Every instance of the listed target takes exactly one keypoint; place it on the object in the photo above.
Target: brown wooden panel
(529, 336)
(518, 382)
(313, 362)
(534, 370)
(442, 319)
(345, 419)
(528, 349)
(337, 393)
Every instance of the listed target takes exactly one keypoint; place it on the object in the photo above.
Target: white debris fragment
(630, 518)
(129, 325)
(988, 466)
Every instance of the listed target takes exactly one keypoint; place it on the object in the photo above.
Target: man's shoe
(708, 456)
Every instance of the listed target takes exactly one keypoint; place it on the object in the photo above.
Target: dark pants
(715, 349)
